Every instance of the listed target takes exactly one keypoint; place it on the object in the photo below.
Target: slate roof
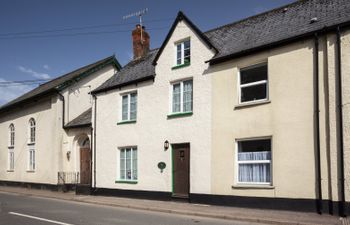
(82, 120)
(290, 21)
(136, 70)
(55, 84)
(265, 30)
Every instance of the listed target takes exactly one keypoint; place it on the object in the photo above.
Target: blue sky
(25, 57)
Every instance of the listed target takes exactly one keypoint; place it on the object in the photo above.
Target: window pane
(134, 164)
(125, 107)
(176, 98)
(254, 145)
(187, 96)
(122, 164)
(187, 44)
(253, 74)
(128, 164)
(256, 92)
(178, 54)
(255, 173)
(133, 106)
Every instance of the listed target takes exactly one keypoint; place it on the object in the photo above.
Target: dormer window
(183, 53)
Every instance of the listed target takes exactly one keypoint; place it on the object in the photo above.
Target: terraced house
(250, 114)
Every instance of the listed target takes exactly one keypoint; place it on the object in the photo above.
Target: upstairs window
(129, 107)
(182, 97)
(254, 161)
(11, 135)
(253, 83)
(183, 52)
(32, 131)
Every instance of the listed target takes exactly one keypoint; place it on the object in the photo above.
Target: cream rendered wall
(345, 54)
(153, 127)
(78, 100)
(332, 139)
(46, 147)
(52, 141)
(287, 118)
(77, 97)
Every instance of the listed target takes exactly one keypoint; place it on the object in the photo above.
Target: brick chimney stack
(140, 48)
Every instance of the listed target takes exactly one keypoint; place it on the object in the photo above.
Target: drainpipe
(94, 130)
(317, 126)
(63, 108)
(340, 116)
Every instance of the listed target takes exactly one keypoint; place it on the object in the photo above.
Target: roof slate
(54, 85)
(135, 70)
(263, 30)
(279, 24)
(83, 119)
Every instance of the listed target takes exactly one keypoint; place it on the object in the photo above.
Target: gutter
(150, 77)
(63, 109)
(94, 139)
(317, 127)
(340, 116)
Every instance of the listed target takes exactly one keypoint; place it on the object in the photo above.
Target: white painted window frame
(11, 148)
(31, 158)
(182, 43)
(32, 124)
(240, 86)
(11, 159)
(11, 135)
(171, 90)
(236, 167)
(121, 105)
(133, 148)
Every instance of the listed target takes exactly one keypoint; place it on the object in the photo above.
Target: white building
(45, 131)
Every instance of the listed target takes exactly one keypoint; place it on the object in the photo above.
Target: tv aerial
(139, 14)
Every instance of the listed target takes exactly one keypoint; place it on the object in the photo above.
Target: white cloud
(34, 73)
(10, 92)
(46, 67)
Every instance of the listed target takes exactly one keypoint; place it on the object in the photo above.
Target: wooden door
(85, 165)
(181, 170)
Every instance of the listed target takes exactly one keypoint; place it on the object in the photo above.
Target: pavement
(276, 217)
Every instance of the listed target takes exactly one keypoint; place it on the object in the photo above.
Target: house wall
(153, 128)
(288, 118)
(52, 142)
(46, 147)
(77, 97)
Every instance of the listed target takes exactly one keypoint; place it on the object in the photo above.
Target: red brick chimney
(140, 48)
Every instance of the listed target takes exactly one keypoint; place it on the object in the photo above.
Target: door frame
(172, 167)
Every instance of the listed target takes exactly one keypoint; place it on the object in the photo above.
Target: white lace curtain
(254, 167)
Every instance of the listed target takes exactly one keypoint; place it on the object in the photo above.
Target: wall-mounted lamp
(166, 145)
(68, 155)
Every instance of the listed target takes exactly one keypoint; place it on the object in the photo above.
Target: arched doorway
(85, 160)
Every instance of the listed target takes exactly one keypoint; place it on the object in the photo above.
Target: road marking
(38, 218)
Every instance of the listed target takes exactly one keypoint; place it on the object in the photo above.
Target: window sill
(125, 182)
(251, 104)
(10, 171)
(126, 122)
(31, 143)
(180, 66)
(176, 115)
(252, 186)
(30, 171)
